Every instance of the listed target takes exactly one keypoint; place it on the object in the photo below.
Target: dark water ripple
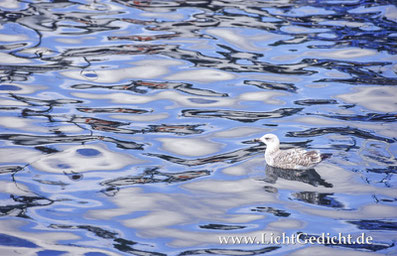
(375, 224)
(214, 251)
(241, 116)
(128, 127)
(340, 130)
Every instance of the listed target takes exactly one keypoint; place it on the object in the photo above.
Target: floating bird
(295, 158)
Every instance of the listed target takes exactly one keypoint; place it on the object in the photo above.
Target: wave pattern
(129, 127)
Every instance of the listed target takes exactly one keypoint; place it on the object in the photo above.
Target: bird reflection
(324, 199)
(308, 176)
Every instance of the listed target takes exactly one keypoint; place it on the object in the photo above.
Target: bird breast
(269, 159)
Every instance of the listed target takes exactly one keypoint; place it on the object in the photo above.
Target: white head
(271, 141)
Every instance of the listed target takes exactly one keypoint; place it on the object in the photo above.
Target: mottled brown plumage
(295, 158)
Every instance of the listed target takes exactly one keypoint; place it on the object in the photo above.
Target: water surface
(129, 127)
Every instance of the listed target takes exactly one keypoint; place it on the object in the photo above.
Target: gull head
(270, 140)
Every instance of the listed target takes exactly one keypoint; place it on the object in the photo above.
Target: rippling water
(128, 127)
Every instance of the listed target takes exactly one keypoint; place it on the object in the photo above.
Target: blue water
(129, 127)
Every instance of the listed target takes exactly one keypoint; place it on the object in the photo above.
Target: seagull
(295, 158)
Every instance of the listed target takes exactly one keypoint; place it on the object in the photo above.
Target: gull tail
(325, 156)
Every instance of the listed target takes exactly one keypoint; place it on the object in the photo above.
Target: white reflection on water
(265, 97)
(12, 38)
(117, 75)
(20, 123)
(182, 99)
(14, 189)
(9, 59)
(11, 4)
(252, 167)
(18, 155)
(201, 75)
(73, 158)
(142, 69)
(189, 147)
(238, 132)
(381, 99)
(351, 53)
(207, 201)
(302, 30)
(240, 39)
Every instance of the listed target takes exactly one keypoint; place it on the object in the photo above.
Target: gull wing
(296, 158)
